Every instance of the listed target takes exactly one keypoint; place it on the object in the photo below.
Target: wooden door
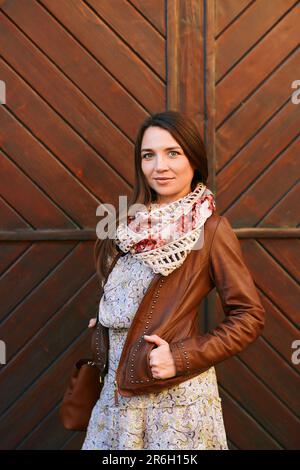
(80, 77)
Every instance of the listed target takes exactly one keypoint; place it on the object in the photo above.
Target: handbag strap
(100, 345)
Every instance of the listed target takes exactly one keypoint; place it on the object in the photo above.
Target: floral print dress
(186, 416)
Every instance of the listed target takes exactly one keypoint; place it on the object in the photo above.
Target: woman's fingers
(92, 322)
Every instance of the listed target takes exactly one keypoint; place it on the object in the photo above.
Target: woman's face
(162, 157)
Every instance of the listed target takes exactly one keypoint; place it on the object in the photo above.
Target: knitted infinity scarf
(163, 236)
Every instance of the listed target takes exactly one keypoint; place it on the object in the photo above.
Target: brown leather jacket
(169, 309)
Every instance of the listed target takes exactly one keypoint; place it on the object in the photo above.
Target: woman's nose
(160, 164)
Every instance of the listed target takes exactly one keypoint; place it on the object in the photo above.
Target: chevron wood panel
(80, 78)
(255, 130)
(265, 366)
(256, 121)
(227, 12)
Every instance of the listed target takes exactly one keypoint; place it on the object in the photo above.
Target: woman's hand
(92, 322)
(161, 359)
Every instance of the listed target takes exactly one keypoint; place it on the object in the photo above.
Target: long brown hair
(185, 132)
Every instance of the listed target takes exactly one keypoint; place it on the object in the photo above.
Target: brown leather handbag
(85, 384)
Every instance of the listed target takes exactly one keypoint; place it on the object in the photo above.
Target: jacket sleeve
(244, 313)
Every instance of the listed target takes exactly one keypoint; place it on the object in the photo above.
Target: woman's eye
(172, 151)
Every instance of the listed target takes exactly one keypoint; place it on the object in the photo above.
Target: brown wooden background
(81, 75)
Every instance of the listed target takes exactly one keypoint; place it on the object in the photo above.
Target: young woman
(168, 238)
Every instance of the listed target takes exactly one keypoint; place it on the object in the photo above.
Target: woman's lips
(163, 181)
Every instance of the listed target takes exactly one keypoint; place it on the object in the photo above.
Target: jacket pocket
(138, 366)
